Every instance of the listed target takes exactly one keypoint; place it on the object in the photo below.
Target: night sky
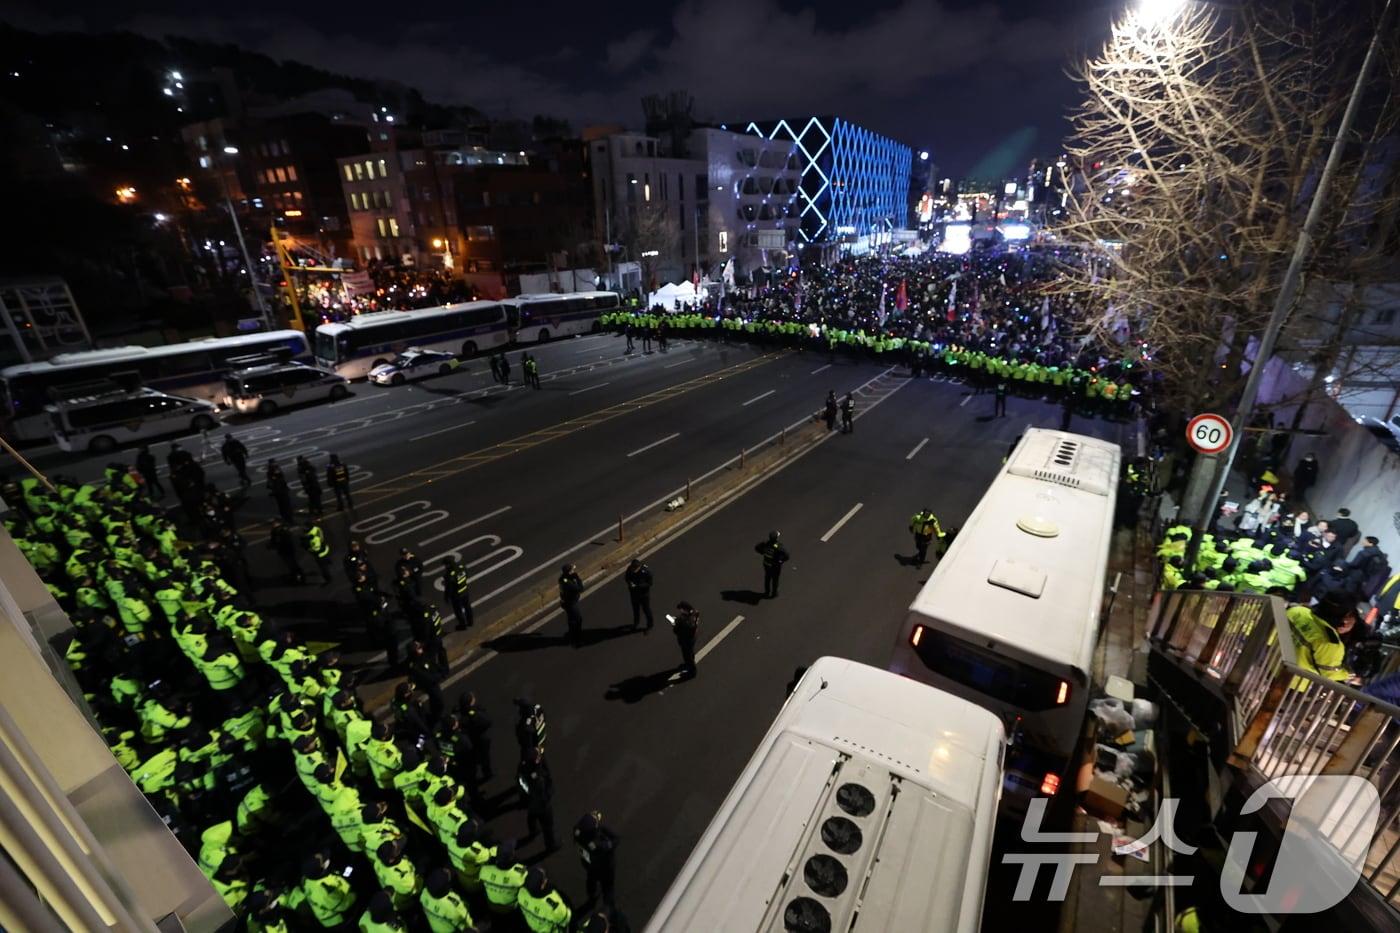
(982, 86)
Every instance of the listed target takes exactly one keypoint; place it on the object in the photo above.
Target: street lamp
(1158, 12)
(242, 244)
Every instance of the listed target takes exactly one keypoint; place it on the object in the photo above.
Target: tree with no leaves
(1196, 150)
(653, 229)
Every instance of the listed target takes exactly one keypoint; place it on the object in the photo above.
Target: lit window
(359, 171)
(646, 192)
(291, 173)
(369, 169)
(383, 169)
(281, 173)
(393, 226)
(297, 195)
(383, 230)
(355, 200)
(349, 173)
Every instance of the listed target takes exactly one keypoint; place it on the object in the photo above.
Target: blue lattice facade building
(854, 182)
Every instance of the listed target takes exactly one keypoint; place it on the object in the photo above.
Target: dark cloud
(958, 80)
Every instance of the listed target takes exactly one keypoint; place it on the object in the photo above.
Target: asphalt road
(514, 481)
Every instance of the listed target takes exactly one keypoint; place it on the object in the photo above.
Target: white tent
(667, 295)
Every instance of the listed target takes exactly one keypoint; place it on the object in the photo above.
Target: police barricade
(1291, 728)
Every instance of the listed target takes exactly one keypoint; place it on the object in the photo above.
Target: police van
(267, 388)
(102, 422)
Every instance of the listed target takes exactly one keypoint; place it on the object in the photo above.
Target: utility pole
(242, 244)
(1287, 292)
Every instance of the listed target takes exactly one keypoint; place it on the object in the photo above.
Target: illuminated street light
(230, 150)
(1158, 12)
(126, 194)
(437, 242)
(923, 155)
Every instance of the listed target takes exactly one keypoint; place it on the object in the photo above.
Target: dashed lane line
(917, 447)
(821, 369)
(831, 533)
(599, 385)
(758, 398)
(442, 430)
(642, 450)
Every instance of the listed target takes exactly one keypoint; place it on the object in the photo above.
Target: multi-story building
(855, 183)
(692, 206)
(292, 160)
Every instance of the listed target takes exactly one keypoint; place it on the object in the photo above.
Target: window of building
(383, 169)
(631, 187)
(724, 241)
(278, 173)
(262, 179)
(369, 169)
(349, 172)
(383, 227)
(355, 201)
(661, 183)
(297, 195)
(651, 147)
(639, 148)
(680, 187)
(481, 233)
(1384, 316)
(291, 173)
(393, 226)
(286, 149)
(359, 171)
(646, 191)
(388, 201)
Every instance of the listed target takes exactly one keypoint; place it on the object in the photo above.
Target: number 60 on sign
(1209, 433)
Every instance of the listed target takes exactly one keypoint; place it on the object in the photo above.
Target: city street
(515, 482)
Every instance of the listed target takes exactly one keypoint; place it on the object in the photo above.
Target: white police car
(414, 363)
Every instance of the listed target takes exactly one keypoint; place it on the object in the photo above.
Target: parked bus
(545, 317)
(1009, 617)
(871, 796)
(358, 345)
(195, 369)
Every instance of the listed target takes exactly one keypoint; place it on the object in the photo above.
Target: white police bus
(195, 369)
(870, 796)
(358, 345)
(1010, 616)
(541, 318)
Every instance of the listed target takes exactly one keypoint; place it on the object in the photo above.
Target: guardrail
(1288, 724)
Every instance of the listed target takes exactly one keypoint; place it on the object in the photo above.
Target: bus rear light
(917, 637)
(1050, 784)
(1063, 695)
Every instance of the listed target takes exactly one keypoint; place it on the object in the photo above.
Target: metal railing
(1289, 724)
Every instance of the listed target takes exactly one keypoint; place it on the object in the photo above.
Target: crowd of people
(1339, 584)
(999, 320)
(395, 288)
(302, 810)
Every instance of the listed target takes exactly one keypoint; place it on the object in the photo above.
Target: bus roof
(925, 764)
(1062, 486)
(375, 318)
(545, 296)
(117, 354)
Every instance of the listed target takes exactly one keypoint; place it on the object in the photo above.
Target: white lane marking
(917, 447)
(966, 399)
(710, 645)
(821, 369)
(474, 521)
(844, 518)
(442, 431)
(642, 450)
(590, 388)
(681, 363)
(758, 398)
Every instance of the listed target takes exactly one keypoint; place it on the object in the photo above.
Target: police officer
(327, 893)
(356, 563)
(408, 561)
(537, 789)
(502, 880)
(639, 581)
(999, 407)
(829, 410)
(597, 850)
(570, 590)
(381, 626)
(544, 909)
(407, 592)
(532, 371)
(505, 369)
(848, 414)
(425, 674)
(314, 540)
(310, 485)
(380, 916)
(146, 466)
(454, 585)
(774, 556)
(338, 479)
(924, 526)
(279, 490)
(478, 728)
(686, 627)
(531, 728)
(443, 907)
(236, 456)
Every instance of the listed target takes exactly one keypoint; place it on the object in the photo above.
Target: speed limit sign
(1209, 433)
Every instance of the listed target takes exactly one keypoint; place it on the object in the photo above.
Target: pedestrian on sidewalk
(686, 624)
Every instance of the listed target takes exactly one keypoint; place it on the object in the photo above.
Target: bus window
(1001, 678)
